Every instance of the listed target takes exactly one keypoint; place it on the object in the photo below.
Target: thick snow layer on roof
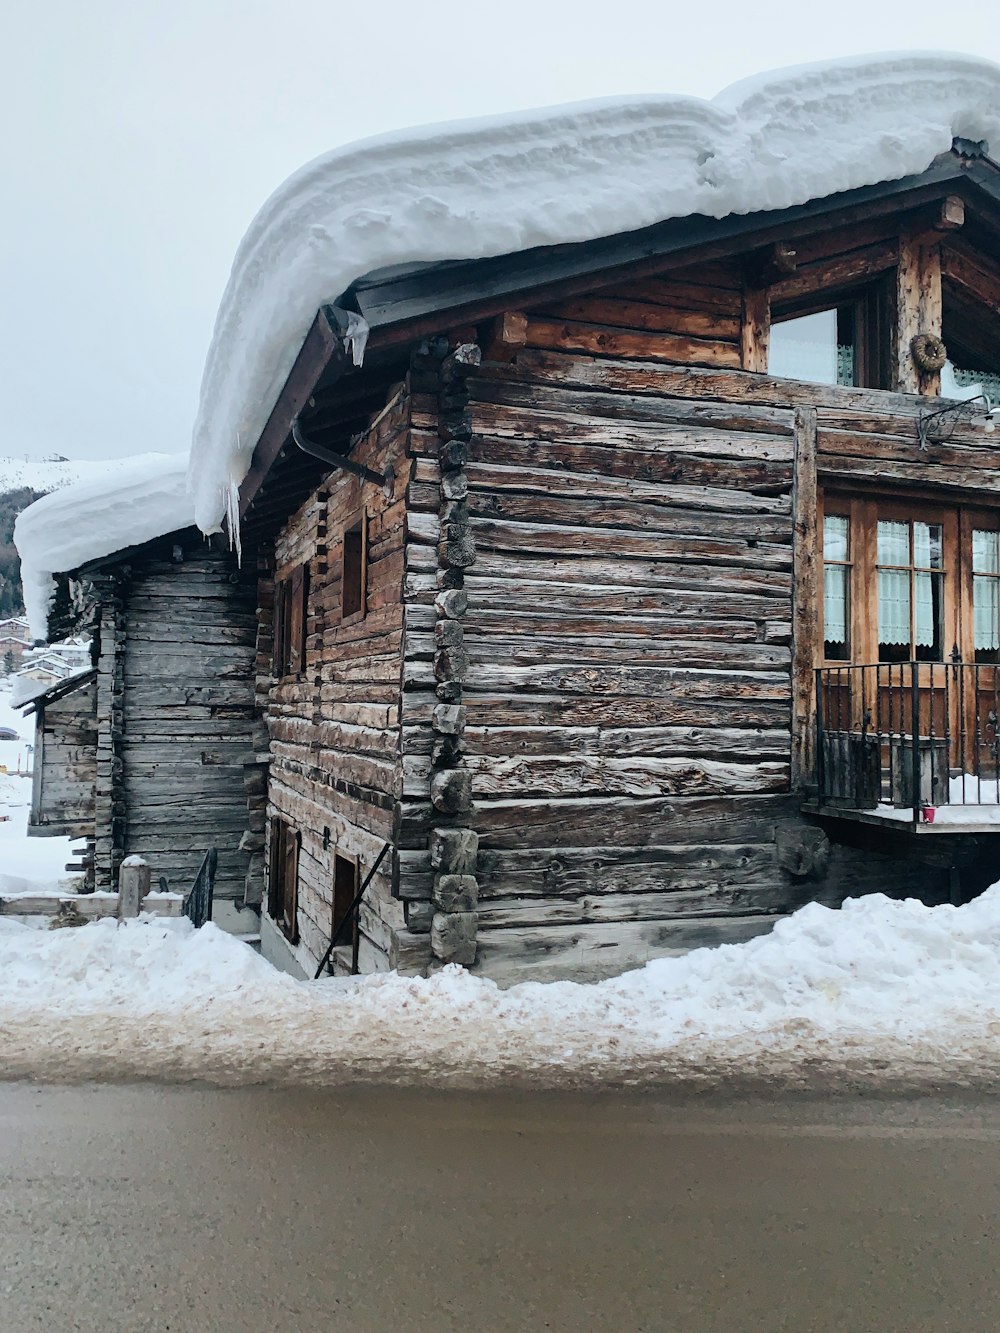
(144, 498)
(880, 992)
(498, 185)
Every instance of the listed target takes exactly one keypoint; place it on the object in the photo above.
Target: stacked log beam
(453, 843)
(110, 809)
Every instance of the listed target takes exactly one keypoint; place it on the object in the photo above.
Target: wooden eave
(402, 307)
(60, 690)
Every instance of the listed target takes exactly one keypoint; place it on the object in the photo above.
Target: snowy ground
(881, 993)
(26, 864)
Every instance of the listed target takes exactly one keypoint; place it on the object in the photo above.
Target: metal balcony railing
(909, 736)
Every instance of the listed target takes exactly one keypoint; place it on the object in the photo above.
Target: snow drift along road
(879, 991)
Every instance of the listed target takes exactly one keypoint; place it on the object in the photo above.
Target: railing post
(133, 885)
(820, 759)
(915, 729)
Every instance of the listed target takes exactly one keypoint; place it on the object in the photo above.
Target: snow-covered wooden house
(619, 490)
(623, 570)
(151, 752)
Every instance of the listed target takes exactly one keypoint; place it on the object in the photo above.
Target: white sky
(140, 138)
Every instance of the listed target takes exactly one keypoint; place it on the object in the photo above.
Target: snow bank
(145, 497)
(573, 173)
(880, 991)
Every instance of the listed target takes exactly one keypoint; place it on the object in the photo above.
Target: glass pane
(986, 611)
(836, 537)
(985, 552)
(894, 607)
(894, 546)
(927, 545)
(835, 612)
(806, 348)
(928, 625)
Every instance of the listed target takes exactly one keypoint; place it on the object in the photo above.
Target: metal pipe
(335, 460)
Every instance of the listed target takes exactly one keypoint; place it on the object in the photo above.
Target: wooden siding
(334, 728)
(629, 692)
(182, 726)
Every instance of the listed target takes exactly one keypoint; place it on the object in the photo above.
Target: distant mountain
(23, 480)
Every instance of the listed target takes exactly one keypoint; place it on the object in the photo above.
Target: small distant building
(15, 638)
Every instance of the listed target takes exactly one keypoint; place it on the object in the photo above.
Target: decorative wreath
(928, 352)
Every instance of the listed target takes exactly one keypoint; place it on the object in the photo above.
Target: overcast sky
(139, 139)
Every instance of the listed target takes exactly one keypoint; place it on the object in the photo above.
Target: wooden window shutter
(276, 864)
(295, 646)
(293, 841)
(278, 655)
(303, 637)
(355, 574)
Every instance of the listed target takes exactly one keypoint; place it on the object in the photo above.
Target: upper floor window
(291, 606)
(819, 348)
(354, 574)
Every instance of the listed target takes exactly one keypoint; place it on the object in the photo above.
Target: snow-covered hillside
(48, 475)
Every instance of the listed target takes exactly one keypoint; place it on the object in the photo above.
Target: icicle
(356, 337)
(233, 521)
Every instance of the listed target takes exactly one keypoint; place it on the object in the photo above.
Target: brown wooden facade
(577, 698)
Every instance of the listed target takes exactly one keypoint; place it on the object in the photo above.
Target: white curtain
(835, 604)
(986, 589)
(893, 606)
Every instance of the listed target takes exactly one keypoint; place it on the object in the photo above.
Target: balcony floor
(972, 820)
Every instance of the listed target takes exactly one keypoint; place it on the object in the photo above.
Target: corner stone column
(453, 845)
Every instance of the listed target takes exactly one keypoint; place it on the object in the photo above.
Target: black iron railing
(349, 921)
(908, 735)
(198, 901)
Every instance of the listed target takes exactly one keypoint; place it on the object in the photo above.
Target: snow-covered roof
(576, 173)
(147, 497)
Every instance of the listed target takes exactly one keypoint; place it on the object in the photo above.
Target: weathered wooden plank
(610, 341)
(805, 596)
(552, 953)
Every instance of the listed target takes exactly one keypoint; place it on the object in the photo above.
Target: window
(354, 594)
(291, 608)
(986, 595)
(837, 587)
(910, 567)
(846, 343)
(908, 582)
(345, 888)
(283, 878)
(818, 347)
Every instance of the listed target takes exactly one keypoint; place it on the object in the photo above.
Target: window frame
(284, 848)
(870, 304)
(291, 623)
(865, 510)
(355, 526)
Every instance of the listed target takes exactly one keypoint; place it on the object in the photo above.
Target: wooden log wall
(182, 712)
(334, 729)
(628, 696)
(65, 760)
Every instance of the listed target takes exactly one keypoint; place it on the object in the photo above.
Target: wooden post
(755, 329)
(918, 310)
(133, 885)
(805, 593)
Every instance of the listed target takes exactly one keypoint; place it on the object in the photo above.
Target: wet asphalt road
(193, 1210)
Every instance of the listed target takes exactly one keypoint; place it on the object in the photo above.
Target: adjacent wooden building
(155, 750)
